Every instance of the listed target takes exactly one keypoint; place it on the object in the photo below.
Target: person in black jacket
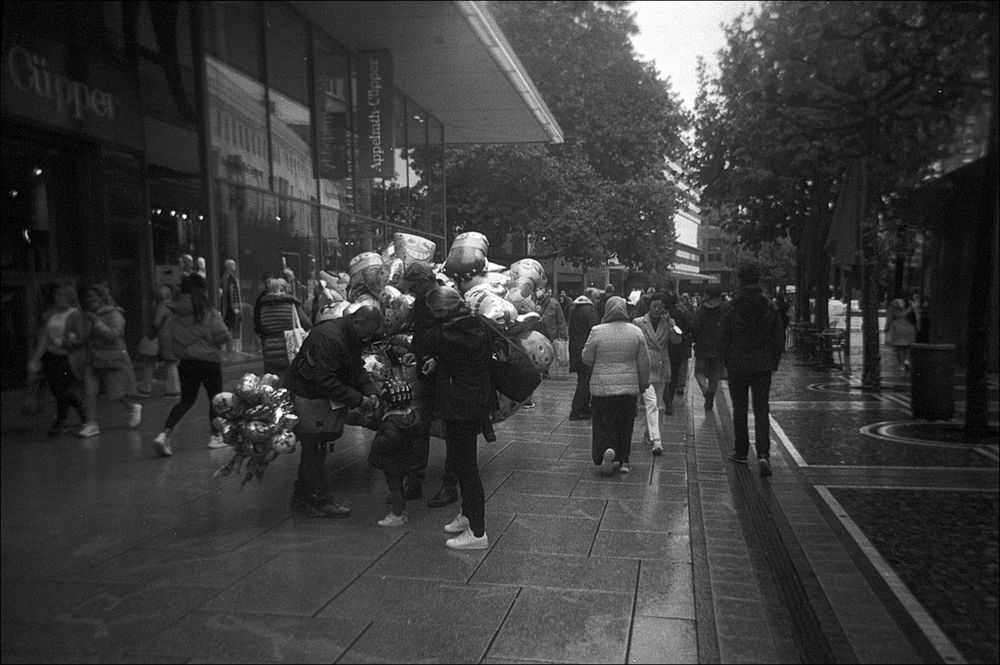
(456, 353)
(707, 359)
(751, 342)
(582, 317)
(329, 368)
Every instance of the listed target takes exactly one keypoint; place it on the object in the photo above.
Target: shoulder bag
(513, 373)
(295, 336)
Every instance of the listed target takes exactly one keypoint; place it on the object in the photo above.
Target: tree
(885, 84)
(593, 196)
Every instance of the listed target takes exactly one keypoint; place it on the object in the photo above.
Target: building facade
(286, 136)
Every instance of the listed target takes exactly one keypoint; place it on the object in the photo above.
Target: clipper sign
(374, 122)
(47, 83)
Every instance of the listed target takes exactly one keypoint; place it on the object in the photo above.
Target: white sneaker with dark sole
(393, 520)
(161, 444)
(608, 463)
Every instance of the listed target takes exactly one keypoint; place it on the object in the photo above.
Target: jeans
(581, 398)
(740, 384)
(611, 426)
(462, 442)
(651, 402)
(194, 374)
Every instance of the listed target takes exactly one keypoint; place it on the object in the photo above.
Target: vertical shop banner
(374, 125)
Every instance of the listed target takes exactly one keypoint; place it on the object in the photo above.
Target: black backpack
(513, 373)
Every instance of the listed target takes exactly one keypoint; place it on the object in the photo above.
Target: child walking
(394, 447)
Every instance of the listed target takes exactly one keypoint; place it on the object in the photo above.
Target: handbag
(295, 336)
(513, 373)
(149, 346)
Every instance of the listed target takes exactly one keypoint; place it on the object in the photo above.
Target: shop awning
(452, 59)
(694, 277)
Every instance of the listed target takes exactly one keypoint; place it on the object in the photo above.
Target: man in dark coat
(679, 350)
(329, 368)
(582, 317)
(707, 359)
(750, 342)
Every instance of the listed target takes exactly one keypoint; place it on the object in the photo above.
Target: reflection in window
(287, 76)
(332, 126)
(390, 194)
(236, 105)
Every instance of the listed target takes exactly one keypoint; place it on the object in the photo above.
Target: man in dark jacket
(679, 350)
(582, 317)
(707, 360)
(326, 378)
(751, 342)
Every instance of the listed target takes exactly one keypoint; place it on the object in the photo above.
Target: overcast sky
(673, 34)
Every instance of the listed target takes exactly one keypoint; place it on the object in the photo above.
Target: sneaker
(216, 441)
(457, 525)
(739, 459)
(135, 415)
(608, 463)
(88, 430)
(765, 466)
(467, 541)
(161, 444)
(624, 468)
(528, 405)
(657, 448)
(320, 508)
(393, 520)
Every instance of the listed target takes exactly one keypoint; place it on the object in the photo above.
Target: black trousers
(611, 426)
(462, 444)
(194, 374)
(581, 398)
(740, 385)
(423, 404)
(61, 380)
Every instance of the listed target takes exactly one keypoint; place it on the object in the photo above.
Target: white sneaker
(657, 448)
(457, 525)
(135, 415)
(88, 430)
(467, 541)
(162, 445)
(393, 520)
(608, 465)
(216, 441)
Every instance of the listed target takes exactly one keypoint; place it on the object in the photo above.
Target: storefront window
(333, 120)
(291, 121)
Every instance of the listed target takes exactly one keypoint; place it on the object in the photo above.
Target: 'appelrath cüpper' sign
(374, 122)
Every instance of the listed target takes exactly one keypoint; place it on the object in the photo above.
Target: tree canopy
(601, 190)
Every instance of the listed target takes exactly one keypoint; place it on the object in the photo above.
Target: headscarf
(615, 309)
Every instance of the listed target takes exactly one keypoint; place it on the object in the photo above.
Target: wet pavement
(875, 540)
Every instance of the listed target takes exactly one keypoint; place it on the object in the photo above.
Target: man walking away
(751, 343)
(582, 317)
(707, 361)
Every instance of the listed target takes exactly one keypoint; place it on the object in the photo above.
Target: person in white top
(52, 356)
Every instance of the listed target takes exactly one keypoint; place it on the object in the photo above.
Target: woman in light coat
(656, 326)
(619, 359)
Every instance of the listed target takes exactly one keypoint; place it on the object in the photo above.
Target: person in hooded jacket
(194, 335)
(707, 360)
(456, 353)
(617, 352)
(751, 343)
(582, 318)
(655, 325)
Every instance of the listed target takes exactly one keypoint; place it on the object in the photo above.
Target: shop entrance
(40, 207)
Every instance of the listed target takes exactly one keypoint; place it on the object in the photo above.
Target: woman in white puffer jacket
(617, 353)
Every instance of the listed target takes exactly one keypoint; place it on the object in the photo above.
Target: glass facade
(235, 140)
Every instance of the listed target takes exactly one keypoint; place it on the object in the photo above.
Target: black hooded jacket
(750, 337)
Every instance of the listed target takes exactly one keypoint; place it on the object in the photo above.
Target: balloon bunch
(256, 419)
(504, 295)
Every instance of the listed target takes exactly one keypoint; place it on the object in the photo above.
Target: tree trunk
(977, 391)
(871, 370)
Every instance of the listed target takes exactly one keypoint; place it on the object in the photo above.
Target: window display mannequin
(232, 306)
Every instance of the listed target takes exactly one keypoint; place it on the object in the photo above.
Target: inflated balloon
(467, 255)
(272, 380)
(245, 387)
(283, 442)
(280, 397)
(264, 393)
(375, 366)
(539, 348)
(364, 270)
(495, 267)
(258, 431)
(226, 403)
(466, 282)
(289, 420)
(260, 412)
(398, 312)
(529, 269)
(413, 249)
(391, 273)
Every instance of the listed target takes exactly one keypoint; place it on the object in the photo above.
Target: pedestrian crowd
(630, 358)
